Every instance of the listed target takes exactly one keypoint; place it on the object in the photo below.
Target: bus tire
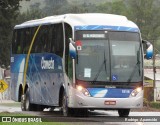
(65, 109)
(27, 104)
(23, 107)
(123, 112)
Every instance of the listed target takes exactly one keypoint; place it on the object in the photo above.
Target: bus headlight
(136, 91)
(83, 90)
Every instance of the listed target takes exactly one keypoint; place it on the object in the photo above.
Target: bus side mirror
(72, 49)
(148, 49)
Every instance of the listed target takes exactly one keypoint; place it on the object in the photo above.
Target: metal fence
(149, 63)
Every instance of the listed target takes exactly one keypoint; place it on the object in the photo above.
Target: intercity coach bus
(78, 62)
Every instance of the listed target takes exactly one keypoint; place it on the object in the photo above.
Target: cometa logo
(47, 64)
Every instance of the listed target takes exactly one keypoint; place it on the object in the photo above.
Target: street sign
(3, 85)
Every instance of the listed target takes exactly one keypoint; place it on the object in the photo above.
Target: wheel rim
(64, 106)
(23, 103)
(27, 103)
(22, 106)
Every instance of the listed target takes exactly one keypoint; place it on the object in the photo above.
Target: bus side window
(41, 41)
(44, 38)
(19, 41)
(37, 43)
(57, 41)
(53, 40)
(27, 40)
(68, 59)
(14, 42)
(49, 39)
(33, 30)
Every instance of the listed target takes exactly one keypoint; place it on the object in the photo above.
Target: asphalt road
(102, 118)
(95, 117)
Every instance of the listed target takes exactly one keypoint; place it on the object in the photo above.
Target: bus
(79, 63)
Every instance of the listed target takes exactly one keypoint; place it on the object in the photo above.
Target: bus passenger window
(14, 42)
(19, 41)
(27, 40)
(68, 60)
(41, 43)
(49, 47)
(57, 41)
(44, 38)
(33, 30)
(53, 40)
(53, 49)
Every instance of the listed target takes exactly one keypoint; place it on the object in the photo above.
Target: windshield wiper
(135, 67)
(100, 69)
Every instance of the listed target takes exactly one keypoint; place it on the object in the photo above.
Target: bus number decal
(126, 91)
(12, 59)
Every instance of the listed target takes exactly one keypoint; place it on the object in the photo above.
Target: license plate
(110, 102)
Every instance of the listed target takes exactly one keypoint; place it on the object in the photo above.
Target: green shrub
(155, 105)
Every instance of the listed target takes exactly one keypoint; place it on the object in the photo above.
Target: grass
(155, 105)
(22, 115)
(14, 104)
(12, 114)
(34, 123)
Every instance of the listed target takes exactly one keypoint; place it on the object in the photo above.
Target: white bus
(78, 62)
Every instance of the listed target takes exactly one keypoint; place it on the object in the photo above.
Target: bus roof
(79, 20)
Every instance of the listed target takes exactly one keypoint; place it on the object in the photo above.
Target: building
(149, 77)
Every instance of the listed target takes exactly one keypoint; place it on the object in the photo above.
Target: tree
(78, 8)
(55, 7)
(145, 13)
(34, 12)
(9, 10)
(117, 7)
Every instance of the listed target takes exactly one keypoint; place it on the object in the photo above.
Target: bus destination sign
(93, 35)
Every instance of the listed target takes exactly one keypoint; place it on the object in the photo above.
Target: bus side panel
(50, 88)
(45, 76)
(17, 69)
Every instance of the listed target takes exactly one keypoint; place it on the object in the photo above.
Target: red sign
(78, 43)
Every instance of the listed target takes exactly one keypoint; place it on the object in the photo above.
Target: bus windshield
(108, 57)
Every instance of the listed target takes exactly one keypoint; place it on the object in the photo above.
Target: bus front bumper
(79, 100)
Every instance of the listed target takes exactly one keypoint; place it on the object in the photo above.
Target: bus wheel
(27, 104)
(65, 109)
(123, 112)
(23, 107)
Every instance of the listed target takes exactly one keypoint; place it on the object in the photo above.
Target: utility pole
(154, 71)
